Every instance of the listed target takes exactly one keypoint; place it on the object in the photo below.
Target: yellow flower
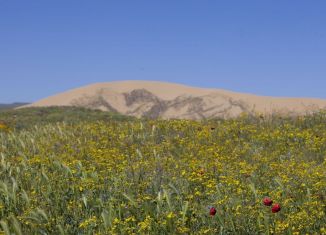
(146, 224)
(170, 215)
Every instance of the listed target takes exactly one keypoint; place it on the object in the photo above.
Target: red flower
(267, 201)
(212, 211)
(276, 208)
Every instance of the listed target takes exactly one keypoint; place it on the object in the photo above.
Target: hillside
(167, 100)
(11, 106)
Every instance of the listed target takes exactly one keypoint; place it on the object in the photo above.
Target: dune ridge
(169, 100)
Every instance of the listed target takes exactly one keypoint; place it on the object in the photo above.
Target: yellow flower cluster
(161, 177)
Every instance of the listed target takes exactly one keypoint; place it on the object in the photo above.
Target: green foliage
(29, 117)
(92, 172)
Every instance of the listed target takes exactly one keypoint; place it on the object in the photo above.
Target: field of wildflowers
(251, 175)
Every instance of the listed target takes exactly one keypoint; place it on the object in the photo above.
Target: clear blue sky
(265, 47)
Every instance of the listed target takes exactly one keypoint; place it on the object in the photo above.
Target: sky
(270, 47)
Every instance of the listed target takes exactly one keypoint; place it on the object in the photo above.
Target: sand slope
(169, 100)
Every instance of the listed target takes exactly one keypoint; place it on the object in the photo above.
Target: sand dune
(169, 100)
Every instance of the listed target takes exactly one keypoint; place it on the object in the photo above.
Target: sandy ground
(211, 99)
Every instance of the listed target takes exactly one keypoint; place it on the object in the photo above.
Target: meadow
(114, 175)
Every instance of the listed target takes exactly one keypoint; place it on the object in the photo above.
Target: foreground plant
(157, 177)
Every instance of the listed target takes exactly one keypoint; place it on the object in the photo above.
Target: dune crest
(168, 100)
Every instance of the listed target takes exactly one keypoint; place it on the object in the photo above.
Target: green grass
(29, 117)
(78, 171)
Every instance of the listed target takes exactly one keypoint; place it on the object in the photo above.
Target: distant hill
(168, 100)
(12, 106)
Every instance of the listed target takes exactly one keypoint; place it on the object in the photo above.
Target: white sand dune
(169, 100)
